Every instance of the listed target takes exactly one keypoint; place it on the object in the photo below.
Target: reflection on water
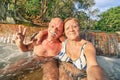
(9, 54)
(111, 66)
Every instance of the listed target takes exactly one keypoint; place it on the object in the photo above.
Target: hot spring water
(9, 54)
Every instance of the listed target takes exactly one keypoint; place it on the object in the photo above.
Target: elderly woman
(79, 52)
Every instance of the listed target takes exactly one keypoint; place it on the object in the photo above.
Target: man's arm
(19, 40)
(24, 47)
(94, 71)
(36, 39)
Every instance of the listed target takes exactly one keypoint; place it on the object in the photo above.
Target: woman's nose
(71, 28)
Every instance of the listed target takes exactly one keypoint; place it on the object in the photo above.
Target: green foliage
(28, 8)
(44, 10)
(110, 20)
(61, 8)
(32, 7)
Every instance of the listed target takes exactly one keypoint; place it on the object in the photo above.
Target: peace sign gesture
(20, 36)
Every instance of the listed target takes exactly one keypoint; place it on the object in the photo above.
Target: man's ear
(48, 24)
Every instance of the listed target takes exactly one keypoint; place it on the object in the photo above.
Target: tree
(37, 11)
(109, 20)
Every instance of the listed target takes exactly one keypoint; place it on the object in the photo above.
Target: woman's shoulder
(87, 42)
(88, 45)
(83, 41)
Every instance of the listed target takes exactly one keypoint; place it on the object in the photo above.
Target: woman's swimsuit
(80, 63)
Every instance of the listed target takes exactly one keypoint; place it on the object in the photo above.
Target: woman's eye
(75, 26)
(67, 28)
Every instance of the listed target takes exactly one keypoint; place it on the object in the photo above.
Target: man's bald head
(57, 20)
(55, 27)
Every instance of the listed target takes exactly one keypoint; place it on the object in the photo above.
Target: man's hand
(20, 36)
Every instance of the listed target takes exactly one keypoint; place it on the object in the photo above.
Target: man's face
(55, 29)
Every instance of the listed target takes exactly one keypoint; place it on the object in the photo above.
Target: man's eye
(52, 26)
(57, 29)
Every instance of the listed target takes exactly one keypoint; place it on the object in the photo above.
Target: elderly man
(46, 48)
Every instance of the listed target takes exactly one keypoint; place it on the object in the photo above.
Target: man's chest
(46, 50)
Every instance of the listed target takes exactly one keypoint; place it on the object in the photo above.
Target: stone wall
(11, 29)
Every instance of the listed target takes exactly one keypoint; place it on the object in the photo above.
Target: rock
(10, 20)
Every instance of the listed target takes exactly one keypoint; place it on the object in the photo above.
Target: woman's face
(72, 31)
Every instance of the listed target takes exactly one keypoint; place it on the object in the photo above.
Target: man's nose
(54, 29)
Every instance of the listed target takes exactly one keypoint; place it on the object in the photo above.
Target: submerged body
(79, 63)
(44, 49)
(82, 59)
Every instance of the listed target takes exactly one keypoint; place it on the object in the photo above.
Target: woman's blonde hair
(70, 18)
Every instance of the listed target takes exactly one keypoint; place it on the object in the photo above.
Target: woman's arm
(40, 36)
(94, 71)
